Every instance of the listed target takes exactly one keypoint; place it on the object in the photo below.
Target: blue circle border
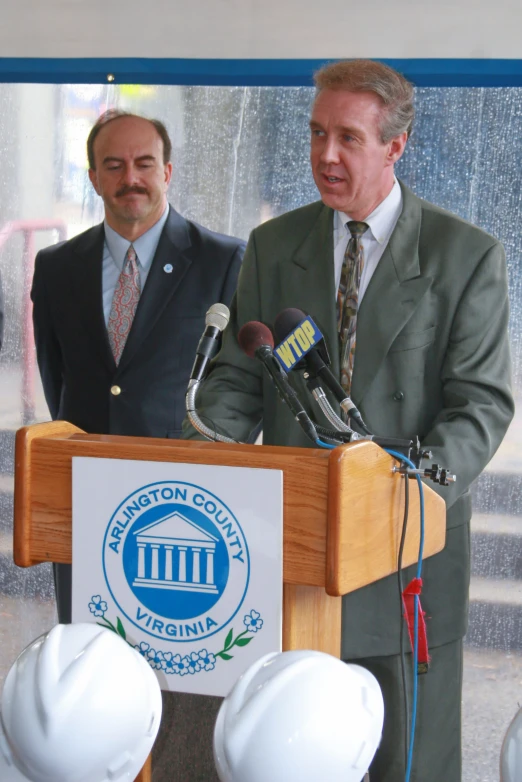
(139, 627)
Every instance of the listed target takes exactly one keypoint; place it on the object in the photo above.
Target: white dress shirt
(114, 251)
(381, 223)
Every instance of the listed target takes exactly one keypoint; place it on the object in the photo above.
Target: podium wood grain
(342, 513)
(342, 509)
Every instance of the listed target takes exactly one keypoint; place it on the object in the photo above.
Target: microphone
(301, 340)
(256, 340)
(216, 321)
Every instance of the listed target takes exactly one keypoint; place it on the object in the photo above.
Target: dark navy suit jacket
(74, 355)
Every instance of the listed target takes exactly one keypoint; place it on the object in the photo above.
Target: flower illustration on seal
(253, 621)
(176, 664)
(194, 662)
(180, 664)
(155, 659)
(168, 663)
(97, 606)
(208, 660)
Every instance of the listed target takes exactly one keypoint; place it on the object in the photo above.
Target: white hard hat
(511, 756)
(80, 705)
(300, 715)
(8, 770)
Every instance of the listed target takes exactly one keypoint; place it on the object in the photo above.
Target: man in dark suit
(118, 310)
(182, 268)
(419, 298)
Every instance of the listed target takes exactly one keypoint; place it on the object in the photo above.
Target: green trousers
(437, 745)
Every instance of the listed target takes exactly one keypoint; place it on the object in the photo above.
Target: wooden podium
(342, 512)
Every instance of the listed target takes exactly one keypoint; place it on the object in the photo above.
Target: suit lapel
(309, 282)
(393, 294)
(176, 249)
(86, 282)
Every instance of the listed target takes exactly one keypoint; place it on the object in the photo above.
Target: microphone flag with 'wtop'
(301, 340)
(256, 340)
(298, 334)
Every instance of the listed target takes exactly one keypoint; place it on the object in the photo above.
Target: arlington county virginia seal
(176, 561)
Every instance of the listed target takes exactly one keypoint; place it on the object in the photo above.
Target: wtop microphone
(301, 341)
(216, 321)
(256, 340)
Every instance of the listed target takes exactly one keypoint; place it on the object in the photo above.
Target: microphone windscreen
(217, 315)
(252, 336)
(287, 321)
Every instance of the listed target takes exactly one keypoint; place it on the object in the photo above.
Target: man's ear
(396, 148)
(168, 173)
(94, 180)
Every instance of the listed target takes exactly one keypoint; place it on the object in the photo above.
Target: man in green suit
(431, 359)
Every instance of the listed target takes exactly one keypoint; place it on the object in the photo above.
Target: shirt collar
(145, 246)
(383, 218)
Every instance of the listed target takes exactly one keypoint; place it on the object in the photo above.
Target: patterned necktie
(124, 303)
(348, 300)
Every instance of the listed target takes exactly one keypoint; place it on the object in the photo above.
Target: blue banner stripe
(266, 72)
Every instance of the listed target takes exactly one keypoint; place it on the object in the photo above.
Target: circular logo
(176, 561)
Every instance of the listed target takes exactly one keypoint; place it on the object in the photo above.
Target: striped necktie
(348, 300)
(124, 303)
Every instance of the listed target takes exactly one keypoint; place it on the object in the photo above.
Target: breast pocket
(410, 340)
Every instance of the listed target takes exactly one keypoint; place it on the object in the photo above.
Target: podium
(342, 513)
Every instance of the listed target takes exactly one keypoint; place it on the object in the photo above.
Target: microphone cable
(411, 743)
(400, 582)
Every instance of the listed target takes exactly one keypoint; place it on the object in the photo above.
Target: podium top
(343, 508)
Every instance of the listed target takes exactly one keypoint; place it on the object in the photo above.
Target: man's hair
(395, 92)
(114, 114)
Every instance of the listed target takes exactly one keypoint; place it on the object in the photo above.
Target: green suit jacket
(432, 360)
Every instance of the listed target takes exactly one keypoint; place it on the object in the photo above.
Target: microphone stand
(195, 420)
(327, 410)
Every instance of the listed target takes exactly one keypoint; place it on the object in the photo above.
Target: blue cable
(325, 445)
(401, 457)
(407, 461)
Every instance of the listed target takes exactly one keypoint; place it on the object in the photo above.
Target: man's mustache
(128, 190)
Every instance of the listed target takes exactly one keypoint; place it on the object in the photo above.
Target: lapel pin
(168, 268)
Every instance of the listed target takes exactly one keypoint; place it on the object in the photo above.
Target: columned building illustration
(175, 553)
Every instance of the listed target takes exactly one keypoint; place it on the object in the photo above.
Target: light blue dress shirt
(114, 251)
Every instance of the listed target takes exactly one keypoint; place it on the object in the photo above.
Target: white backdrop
(261, 28)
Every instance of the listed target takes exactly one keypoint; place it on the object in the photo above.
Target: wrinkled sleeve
(476, 377)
